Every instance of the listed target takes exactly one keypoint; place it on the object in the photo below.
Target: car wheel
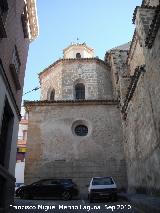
(22, 195)
(114, 198)
(91, 200)
(27, 196)
(66, 195)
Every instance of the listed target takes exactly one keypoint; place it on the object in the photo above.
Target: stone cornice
(136, 9)
(73, 60)
(153, 29)
(29, 104)
(32, 19)
(131, 89)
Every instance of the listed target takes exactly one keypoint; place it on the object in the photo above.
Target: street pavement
(75, 206)
(146, 203)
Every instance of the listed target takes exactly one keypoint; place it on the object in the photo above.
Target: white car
(17, 185)
(102, 187)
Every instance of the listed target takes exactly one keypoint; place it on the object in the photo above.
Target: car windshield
(102, 181)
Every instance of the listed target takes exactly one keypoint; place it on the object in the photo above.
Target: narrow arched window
(52, 95)
(79, 91)
(78, 55)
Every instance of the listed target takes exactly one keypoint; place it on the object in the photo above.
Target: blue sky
(102, 24)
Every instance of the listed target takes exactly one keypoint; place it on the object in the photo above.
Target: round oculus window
(81, 130)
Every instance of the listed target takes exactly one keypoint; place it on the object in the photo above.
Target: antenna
(77, 40)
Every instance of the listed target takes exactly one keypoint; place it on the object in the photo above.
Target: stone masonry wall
(136, 57)
(55, 151)
(142, 125)
(118, 65)
(151, 2)
(53, 80)
(64, 75)
(141, 101)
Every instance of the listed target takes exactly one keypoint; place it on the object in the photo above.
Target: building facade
(21, 148)
(18, 27)
(75, 129)
(136, 78)
(22, 136)
(100, 117)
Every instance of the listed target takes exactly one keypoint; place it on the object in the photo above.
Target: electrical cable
(36, 88)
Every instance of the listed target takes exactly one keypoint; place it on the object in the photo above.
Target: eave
(29, 104)
(72, 60)
(32, 19)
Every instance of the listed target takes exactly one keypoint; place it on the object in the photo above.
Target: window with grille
(81, 130)
(78, 55)
(52, 95)
(80, 91)
(15, 59)
(15, 68)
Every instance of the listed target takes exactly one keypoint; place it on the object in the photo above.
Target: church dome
(78, 76)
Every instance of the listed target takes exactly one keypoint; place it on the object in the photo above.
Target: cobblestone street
(30, 206)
